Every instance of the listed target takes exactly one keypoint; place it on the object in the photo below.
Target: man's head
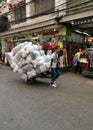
(80, 49)
(57, 49)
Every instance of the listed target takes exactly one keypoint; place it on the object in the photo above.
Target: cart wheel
(28, 81)
(33, 79)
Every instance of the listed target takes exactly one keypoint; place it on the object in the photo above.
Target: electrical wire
(25, 4)
(52, 10)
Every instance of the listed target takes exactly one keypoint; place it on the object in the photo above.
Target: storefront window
(20, 13)
(43, 5)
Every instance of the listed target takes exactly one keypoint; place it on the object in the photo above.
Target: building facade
(30, 19)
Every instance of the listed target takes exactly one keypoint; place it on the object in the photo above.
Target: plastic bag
(31, 74)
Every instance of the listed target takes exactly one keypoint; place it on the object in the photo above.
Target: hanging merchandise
(60, 44)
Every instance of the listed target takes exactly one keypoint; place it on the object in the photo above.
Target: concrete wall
(30, 8)
(61, 5)
(76, 6)
(30, 11)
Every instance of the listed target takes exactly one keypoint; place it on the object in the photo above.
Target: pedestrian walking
(78, 55)
(55, 66)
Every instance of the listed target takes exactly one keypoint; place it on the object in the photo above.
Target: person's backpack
(60, 53)
(74, 62)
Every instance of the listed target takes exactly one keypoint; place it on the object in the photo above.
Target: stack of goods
(28, 60)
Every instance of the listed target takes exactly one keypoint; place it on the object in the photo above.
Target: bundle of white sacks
(28, 60)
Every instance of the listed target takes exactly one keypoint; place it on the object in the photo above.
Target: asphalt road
(38, 106)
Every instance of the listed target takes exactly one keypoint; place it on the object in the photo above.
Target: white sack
(24, 55)
(32, 56)
(21, 63)
(27, 68)
(42, 53)
(44, 67)
(28, 59)
(36, 53)
(27, 43)
(41, 60)
(38, 70)
(37, 63)
(31, 74)
(17, 48)
(18, 56)
(28, 49)
(10, 59)
(37, 47)
(15, 69)
(24, 77)
(47, 58)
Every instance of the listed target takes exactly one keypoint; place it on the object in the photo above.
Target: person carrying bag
(55, 66)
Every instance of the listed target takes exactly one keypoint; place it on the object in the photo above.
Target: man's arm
(51, 62)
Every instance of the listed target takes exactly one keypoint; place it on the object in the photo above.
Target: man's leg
(57, 73)
(53, 75)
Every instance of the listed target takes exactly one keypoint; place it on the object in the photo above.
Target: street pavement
(38, 106)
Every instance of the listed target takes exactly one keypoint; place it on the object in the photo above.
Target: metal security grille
(20, 13)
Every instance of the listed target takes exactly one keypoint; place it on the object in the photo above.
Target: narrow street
(38, 106)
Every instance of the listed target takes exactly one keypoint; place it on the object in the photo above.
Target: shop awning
(30, 27)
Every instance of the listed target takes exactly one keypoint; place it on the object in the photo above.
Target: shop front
(73, 42)
(41, 35)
